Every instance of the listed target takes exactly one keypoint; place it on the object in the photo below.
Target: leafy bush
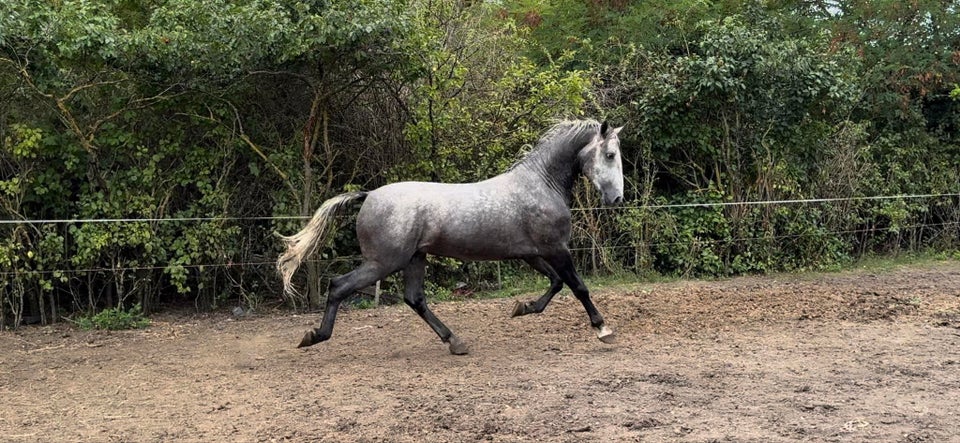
(115, 319)
(233, 116)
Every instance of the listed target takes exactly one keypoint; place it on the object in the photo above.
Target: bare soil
(854, 356)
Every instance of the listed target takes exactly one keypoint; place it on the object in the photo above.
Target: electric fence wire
(622, 207)
(353, 258)
(635, 245)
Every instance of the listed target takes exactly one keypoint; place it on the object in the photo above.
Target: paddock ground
(848, 357)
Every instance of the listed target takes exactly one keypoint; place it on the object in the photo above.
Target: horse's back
(478, 221)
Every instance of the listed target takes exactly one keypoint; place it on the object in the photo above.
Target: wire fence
(633, 244)
(352, 258)
(774, 202)
(708, 241)
(620, 207)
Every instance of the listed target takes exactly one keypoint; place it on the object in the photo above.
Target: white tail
(306, 242)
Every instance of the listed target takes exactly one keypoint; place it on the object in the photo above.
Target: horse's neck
(556, 171)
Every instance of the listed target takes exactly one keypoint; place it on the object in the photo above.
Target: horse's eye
(611, 156)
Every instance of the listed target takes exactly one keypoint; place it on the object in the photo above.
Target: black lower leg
(582, 294)
(563, 264)
(420, 307)
(340, 288)
(414, 297)
(325, 330)
(556, 284)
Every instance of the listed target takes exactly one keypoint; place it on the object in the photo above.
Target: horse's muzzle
(612, 201)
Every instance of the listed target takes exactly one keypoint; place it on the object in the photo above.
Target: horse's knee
(556, 286)
(581, 291)
(416, 302)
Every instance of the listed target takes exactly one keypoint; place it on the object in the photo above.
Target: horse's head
(601, 163)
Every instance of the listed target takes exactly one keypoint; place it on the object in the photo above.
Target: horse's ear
(603, 129)
(616, 131)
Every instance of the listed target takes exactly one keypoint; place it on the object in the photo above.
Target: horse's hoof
(519, 308)
(606, 335)
(458, 347)
(308, 339)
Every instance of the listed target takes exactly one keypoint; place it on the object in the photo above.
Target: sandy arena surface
(859, 356)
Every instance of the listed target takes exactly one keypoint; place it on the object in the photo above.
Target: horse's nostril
(618, 200)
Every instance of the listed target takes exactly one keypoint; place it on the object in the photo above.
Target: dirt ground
(854, 356)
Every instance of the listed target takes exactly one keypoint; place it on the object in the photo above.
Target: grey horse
(523, 213)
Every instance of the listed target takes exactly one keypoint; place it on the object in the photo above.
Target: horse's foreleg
(341, 287)
(413, 276)
(563, 263)
(556, 284)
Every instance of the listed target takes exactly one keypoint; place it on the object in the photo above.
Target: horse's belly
(464, 251)
(477, 242)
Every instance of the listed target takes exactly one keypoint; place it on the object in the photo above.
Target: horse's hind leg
(556, 284)
(342, 287)
(413, 276)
